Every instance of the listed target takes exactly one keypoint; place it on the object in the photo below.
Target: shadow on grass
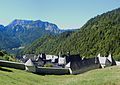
(4, 69)
(44, 74)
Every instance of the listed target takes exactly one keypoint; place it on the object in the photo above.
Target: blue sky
(64, 13)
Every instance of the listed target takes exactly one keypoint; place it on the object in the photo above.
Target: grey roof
(98, 55)
(29, 63)
(29, 55)
(102, 60)
(61, 60)
(68, 65)
(49, 57)
(39, 59)
(117, 62)
(109, 58)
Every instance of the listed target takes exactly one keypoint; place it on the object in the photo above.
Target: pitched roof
(68, 65)
(39, 59)
(102, 60)
(117, 62)
(29, 63)
(61, 60)
(109, 58)
(49, 57)
(98, 55)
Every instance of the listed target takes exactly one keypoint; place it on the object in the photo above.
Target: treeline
(48, 44)
(5, 56)
(100, 34)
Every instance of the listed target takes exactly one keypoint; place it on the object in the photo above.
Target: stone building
(106, 61)
(75, 63)
(30, 66)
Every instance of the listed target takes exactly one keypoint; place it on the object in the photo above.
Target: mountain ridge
(31, 24)
(23, 32)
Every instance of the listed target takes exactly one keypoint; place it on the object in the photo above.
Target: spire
(59, 54)
(109, 57)
(98, 55)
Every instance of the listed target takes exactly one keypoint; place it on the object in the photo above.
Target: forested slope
(100, 34)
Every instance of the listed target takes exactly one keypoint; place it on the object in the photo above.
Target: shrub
(48, 65)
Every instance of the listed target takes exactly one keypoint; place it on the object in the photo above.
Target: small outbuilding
(62, 61)
(106, 61)
(29, 66)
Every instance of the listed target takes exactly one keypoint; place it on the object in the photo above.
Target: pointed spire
(68, 65)
(98, 55)
(109, 57)
(59, 54)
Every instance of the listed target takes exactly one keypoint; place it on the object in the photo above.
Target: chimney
(59, 54)
(68, 53)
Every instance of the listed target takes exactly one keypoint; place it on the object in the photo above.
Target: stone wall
(48, 70)
(12, 64)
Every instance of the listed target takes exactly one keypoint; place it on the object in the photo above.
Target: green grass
(107, 76)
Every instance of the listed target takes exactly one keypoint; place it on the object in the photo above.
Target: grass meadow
(107, 76)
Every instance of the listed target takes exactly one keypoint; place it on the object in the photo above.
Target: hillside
(26, 31)
(107, 76)
(48, 44)
(7, 41)
(100, 34)
(23, 32)
(5, 56)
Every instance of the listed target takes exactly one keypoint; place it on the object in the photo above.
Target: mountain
(27, 30)
(7, 41)
(100, 34)
(29, 24)
(23, 32)
(2, 28)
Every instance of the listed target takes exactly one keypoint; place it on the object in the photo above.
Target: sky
(67, 14)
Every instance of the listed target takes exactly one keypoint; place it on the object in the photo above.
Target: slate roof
(61, 60)
(102, 60)
(68, 65)
(29, 63)
(109, 58)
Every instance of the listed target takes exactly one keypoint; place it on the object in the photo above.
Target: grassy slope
(107, 76)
